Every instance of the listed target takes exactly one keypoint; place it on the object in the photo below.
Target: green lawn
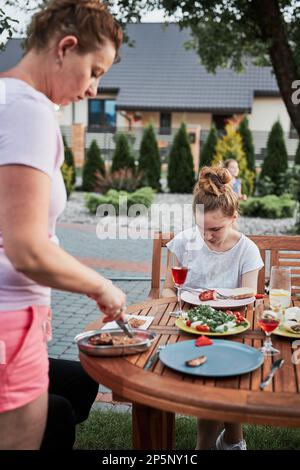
(112, 430)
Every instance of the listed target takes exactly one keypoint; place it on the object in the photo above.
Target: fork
(219, 295)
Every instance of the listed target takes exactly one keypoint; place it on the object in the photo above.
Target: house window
(165, 123)
(102, 115)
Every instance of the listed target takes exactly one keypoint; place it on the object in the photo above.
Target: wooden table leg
(152, 429)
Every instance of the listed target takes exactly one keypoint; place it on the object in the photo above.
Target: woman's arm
(24, 208)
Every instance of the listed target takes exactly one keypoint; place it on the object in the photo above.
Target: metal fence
(107, 141)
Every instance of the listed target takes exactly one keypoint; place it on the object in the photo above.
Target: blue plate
(224, 358)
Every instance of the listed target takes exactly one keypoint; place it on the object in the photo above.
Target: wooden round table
(159, 393)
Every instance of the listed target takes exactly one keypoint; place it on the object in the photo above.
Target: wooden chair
(275, 251)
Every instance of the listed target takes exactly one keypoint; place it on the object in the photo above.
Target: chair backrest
(275, 250)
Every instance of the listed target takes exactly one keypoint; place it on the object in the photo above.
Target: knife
(277, 364)
(125, 327)
(152, 360)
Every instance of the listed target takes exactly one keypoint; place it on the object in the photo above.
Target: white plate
(112, 325)
(193, 298)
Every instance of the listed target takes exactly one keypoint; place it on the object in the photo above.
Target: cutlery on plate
(125, 327)
(152, 359)
(277, 364)
(201, 289)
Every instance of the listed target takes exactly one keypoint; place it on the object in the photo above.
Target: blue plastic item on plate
(224, 358)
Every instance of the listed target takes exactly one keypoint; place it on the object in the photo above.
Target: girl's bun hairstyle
(214, 190)
(89, 20)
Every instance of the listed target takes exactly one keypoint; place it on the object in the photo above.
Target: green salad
(206, 319)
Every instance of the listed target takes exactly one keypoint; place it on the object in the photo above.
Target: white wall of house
(265, 111)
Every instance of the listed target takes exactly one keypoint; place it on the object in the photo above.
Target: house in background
(159, 81)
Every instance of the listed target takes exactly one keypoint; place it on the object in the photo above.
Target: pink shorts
(23, 355)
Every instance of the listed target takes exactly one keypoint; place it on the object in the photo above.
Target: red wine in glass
(179, 274)
(268, 325)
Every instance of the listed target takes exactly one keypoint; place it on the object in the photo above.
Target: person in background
(71, 44)
(233, 168)
(221, 257)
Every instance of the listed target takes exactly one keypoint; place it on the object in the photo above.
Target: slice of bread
(242, 293)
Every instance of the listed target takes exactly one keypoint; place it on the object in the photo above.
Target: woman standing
(71, 44)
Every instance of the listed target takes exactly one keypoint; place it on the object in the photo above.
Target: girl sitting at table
(218, 255)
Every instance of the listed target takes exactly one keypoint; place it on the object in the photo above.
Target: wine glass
(179, 274)
(280, 289)
(268, 320)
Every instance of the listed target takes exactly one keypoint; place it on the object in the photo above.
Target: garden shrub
(122, 180)
(143, 196)
(269, 207)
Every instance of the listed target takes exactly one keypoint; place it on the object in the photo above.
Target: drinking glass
(179, 273)
(268, 320)
(280, 289)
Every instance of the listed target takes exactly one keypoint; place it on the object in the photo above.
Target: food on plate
(238, 294)
(124, 340)
(242, 293)
(203, 341)
(136, 322)
(106, 339)
(292, 313)
(206, 319)
(208, 295)
(198, 361)
(293, 326)
(101, 340)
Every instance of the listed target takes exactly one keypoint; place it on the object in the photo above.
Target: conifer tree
(297, 155)
(69, 159)
(248, 146)
(209, 148)
(181, 176)
(231, 146)
(276, 160)
(122, 157)
(93, 164)
(149, 161)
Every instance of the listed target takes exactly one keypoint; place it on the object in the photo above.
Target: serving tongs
(125, 327)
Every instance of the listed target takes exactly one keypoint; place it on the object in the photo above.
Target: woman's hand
(111, 301)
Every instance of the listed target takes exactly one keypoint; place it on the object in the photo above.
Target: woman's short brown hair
(214, 191)
(89, 20)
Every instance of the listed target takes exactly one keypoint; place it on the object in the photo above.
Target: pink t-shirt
(29, 135)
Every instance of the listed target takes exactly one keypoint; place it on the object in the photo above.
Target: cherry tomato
(203, 341)
(202, 328)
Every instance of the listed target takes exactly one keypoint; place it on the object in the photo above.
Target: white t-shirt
(209, 268)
